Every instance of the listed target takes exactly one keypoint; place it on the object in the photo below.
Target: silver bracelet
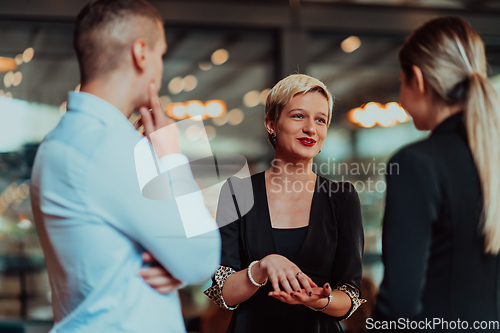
(330, 297)
(250, 275)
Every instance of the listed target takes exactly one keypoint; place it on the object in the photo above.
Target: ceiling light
(195, 108)
(28, 54)
(7, 64)
(263, 96)
(176, 85)
(8, 79)
(204, 65)
(17, 78)
(219, 57)
(190, 82)
(221, 120)
(19, 59)
(350, 44)
(176, 110)
(215, 108)
(235, 116)
(251, 99)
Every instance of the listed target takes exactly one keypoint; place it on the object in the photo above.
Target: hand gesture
(317, 300)
(282, 271)
(160, 129)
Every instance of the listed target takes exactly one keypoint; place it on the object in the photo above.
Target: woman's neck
(443, 112)
(286, 170)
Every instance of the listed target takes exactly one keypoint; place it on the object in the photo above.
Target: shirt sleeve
(348, 264)
(159, 226)
(412, 205)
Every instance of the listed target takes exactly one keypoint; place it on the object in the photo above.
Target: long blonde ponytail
(483, 130)
(451, 56)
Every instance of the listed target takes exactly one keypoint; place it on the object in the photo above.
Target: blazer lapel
(260, 240)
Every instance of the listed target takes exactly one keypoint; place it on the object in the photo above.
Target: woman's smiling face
(302, 125)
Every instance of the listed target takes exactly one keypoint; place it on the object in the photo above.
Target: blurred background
(223, 56)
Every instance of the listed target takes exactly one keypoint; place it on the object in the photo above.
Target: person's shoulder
(259, 176)
(420, 152)
(76, 134)
(420, 159)
(345, 200)
(239, 188)
(338, 190)
(238, 181)
(66, 153)
(432, 147)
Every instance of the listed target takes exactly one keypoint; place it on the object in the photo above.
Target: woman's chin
(307, 156)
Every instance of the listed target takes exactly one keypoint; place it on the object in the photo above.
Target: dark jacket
(331, 252)
(432, 244)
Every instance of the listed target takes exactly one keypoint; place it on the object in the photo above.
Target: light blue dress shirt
(94, 225)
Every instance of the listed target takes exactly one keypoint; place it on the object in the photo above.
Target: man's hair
(105, 31)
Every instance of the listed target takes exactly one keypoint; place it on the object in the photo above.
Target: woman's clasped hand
(297, 287)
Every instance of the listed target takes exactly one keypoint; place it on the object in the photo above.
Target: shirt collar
(454, 123)
(98, 108)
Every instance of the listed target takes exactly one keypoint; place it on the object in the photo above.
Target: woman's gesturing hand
(282, 271)
(318, 299)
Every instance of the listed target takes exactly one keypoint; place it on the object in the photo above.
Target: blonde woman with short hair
(441, 231)
(293, 262)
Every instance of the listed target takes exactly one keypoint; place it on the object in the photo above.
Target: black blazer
(331, 252)
(433, 250)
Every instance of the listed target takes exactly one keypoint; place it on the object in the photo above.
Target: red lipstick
(307, 141)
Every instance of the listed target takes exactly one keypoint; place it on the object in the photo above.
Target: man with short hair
(94, 225)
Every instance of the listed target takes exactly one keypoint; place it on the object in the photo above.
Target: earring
(319, 151)
(273, 139)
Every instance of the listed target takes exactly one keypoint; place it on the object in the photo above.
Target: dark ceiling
(266, 40)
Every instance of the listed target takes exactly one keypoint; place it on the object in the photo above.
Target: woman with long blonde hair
(441, 231)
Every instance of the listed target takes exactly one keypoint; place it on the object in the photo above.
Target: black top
(433, 250)
(331, 252)
(288, 241)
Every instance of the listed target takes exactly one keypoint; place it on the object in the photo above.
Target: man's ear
(139, 53)
(418, 79)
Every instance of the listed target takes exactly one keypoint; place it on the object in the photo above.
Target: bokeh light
(350, 44)
(251, 98)
(204, 65)
(219, 57)
(215, 108)
(17, 78)
(28, 54)
(176, 85)
(235, 117)
(190, 82)
(373, 113)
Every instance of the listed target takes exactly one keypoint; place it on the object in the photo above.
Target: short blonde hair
(283, 92)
